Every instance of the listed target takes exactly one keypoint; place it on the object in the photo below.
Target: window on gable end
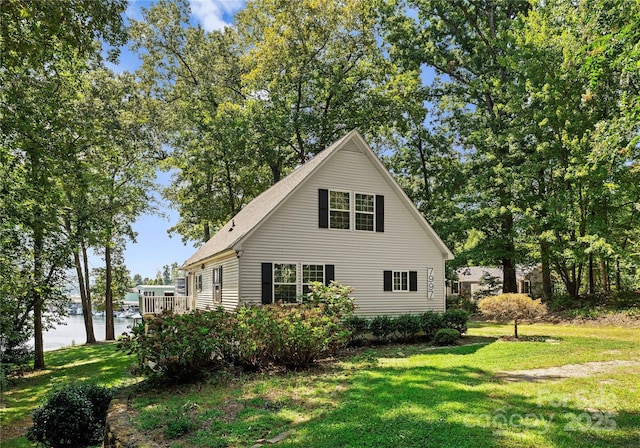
(365, 211)
(339, 210)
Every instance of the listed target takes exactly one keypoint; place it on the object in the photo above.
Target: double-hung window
(217, 284)
(339, 210)
(311, 273)
(401, 280)
(365, 211)
(285, 283)
(199, 283)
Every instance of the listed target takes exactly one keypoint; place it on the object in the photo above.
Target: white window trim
(351, 198)
(455, 282)
(524, 288)
(352, 211)
(199, 283)
(324, 274)
(368, 213)
(273, 281)
(216, 285)
(393, 283)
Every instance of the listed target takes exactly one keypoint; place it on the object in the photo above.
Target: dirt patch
(584, 370)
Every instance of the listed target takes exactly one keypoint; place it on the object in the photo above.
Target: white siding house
(341, 217)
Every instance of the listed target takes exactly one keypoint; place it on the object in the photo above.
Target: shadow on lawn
(429, 406)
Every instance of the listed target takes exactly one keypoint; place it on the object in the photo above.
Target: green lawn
(395, 396)
(100, 364)
(415, 396)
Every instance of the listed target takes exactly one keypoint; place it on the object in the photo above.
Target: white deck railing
(157, 304)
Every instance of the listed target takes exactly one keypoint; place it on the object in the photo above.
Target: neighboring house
(155, 290)
(341, 216)
(470, 278)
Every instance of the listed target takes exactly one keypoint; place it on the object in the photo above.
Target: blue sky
(153, 247)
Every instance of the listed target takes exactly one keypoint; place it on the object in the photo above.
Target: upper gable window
(365, 212)
(339, 210)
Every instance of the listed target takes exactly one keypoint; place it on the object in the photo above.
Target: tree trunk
(592, 282)
(108, 297)
(38, 300)
(88, 324)
(87, 307)
(509, 282)
(546, 271)
(515, 328)
(604, 274)
(618, 281)
(207, 232)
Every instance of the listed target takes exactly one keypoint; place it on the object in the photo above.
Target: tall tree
(467, 43)
(45, 47)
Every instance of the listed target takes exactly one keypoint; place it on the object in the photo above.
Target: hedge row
(407, 327)
(184, 347)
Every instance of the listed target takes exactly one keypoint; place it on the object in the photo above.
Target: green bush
(408, 326)
(180, 348)
(72, 416)
(359, 327)
(430, 323)
(335, 298)
(382, 328)
(446, 336)
(456, 320)
(293, 336)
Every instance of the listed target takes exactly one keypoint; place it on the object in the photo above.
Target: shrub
(407, 326)
(302, 334)
(358, 326)
(335, 298)
(382, 328)
(180, 348)
(507, 307)
(446, 336)
(456, 320)
(72, 416)
(430, 323)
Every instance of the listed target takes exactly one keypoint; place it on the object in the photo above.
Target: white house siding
(292, 235)
(204, 298)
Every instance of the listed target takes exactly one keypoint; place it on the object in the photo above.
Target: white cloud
(215, 14)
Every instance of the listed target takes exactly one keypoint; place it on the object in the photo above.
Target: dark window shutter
(329, 273)
(323, 208)
(220, 277)
(379, 213)
(413, 281)
(387, 281)
(267, 283)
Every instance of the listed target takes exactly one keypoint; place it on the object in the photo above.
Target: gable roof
(260, 208)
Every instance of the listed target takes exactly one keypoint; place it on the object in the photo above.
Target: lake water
(73, 332)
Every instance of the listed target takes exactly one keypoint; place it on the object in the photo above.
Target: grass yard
(415, 396)
(100, 364)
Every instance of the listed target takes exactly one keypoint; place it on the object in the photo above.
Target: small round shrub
(408, 326)
(456, 320)
(72, 416)
(446, 336)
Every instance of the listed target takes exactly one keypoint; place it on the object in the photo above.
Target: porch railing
(157, 304)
